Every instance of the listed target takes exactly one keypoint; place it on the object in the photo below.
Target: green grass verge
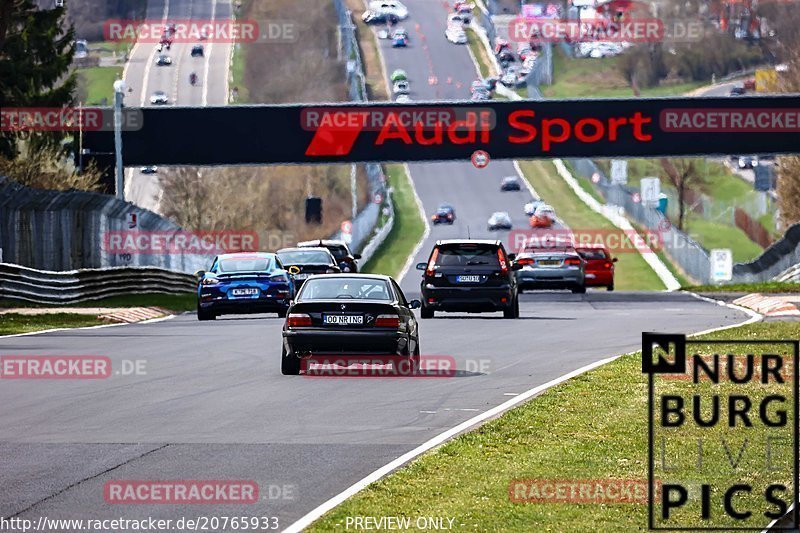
(598, 78)
(176, 303)
(632, 272)
(13, 323)
(237, 73)
(557, 436)
(99, 83)
(479, 52)
(717, 235)
(407, 230)
(773, 287)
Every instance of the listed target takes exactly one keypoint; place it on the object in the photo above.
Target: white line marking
(388, 468)
(428, 412)
(208, 57)
(425, 233)
(510, 393)
(151, 321)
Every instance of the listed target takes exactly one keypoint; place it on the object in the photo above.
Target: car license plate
(343, 320)
(549, 262)
(300, 276)
(468, 279)
(244, 292)
(590, 276)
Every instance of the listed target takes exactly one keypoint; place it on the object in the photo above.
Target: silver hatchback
(552, 268)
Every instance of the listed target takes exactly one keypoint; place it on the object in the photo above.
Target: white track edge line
(151, 321)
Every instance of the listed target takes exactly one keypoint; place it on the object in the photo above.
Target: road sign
(133, 220)
(763, 177)
(650, 189)
(619, 171)
(378, 198)
(480, 158)
(721, 264)
(347, 227)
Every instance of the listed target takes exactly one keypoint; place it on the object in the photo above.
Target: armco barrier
(51, 287)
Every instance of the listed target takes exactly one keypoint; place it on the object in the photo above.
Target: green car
(399, 74)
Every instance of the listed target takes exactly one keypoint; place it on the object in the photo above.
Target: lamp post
(119, 94)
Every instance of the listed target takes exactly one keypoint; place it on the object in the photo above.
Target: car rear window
(244, 264)
(343, 288)
(338, 252)
(589, 253)
(467, 255)
(302, 257)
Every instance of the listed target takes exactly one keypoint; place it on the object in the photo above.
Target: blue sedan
(243, 283)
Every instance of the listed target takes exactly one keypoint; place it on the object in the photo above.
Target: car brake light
(387, 321)
(501, 257)
(572, 261)
(298, 320)
(607, 264)
(432, 262)
(525, 261)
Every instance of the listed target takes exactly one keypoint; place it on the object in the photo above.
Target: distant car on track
(340, 251)
(510, 183)
(401, 87)
(747, 161)
(473, 276)
(399, 41)
(399, 74)
(163, 60)
(243, 283)
(543, 217)
(376, 17)
(445, 214)
(530, 207)
(456, 34)
(197, 50)
(389, 7)
(599, 266)
(159, 98)
(350, 315)
(499, 220)
(301, 263)
(550, 268)
(150, 169)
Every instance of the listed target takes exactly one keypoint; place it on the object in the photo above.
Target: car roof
(354, 276)
(244, 255)
(317, 243)
(303, 249)
(467, 241)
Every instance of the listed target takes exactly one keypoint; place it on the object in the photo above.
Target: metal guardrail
(72, 286)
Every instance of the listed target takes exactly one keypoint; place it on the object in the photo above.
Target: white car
(530, 207)
(403, 99)
(499, 220)
(401, 87)
(159, 98)
(391, 7)
(456, 34)
(163, 60)
(458, 19)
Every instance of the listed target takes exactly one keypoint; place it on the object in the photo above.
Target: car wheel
(290, 365)
(415, 359)
(425, 312)
(282, 312)
(512, 311)
(202, 314)
(581, 289)
(610, 287)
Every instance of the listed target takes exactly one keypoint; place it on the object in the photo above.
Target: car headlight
(210, 281)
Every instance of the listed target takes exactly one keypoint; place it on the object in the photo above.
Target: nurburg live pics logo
(722, 433)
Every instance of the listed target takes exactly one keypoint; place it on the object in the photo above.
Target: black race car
(341, 252)
(349, 315)
(445, 214)
(304, 262)
(472, 276)
(510, 183)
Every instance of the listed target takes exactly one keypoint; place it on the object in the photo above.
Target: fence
(352, 54)
(66, 287)
(686, 252)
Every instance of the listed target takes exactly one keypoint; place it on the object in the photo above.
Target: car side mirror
(511, 257)
(356, 256)
(421, 266)
(615, 260)
(199, 274)
(414, 304)
(516, 266)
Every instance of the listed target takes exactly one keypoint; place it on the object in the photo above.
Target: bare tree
(46, 167)
(682, 173)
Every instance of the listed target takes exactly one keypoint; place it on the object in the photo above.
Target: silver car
(550, 268)
(499, 220)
